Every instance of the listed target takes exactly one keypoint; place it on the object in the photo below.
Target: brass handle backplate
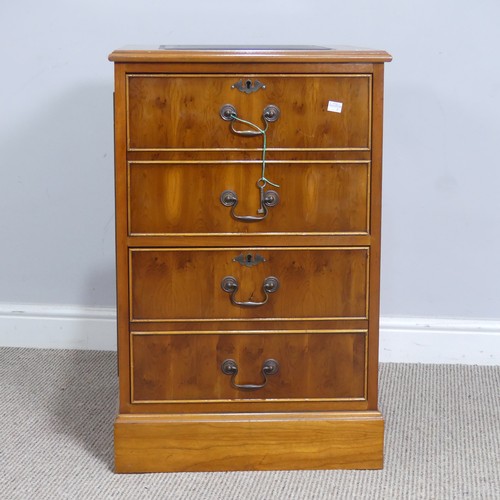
(270, 114)
(230, 367)
(230, 285)
(268, 199)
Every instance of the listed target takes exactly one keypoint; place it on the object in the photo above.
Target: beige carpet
(57, 410)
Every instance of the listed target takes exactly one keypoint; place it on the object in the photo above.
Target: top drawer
(182, 112)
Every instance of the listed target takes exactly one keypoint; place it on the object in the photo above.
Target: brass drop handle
(228, 112)
(230, 285)
(230, 367)
(268, 199)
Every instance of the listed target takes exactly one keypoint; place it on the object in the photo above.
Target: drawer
(321, 366)
(245, 283)
(317, 112)
(186, 197)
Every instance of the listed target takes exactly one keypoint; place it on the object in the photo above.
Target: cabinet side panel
(121, 231)
(375, 224)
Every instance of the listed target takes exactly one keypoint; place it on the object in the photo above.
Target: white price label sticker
(334, 107)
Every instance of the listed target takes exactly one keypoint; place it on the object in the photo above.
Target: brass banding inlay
(255, 400)
(367, 163)
(273, 249)
(224, 75)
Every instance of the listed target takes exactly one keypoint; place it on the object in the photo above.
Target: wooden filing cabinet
(248, 194)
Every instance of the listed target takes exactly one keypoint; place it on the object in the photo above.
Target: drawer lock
(270, 114)
(230, 367)
(247, 86)
(249, 260)
(230, 285)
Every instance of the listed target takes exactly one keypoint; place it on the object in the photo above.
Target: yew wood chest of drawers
(248, 185)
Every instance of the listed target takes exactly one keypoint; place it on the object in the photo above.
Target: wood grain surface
(185, 284)
(323, 366)
(169, 198)
(283, 441)
(183, 112)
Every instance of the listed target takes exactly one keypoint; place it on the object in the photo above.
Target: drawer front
(246, 283)
(314, 197)
(325, 112)
(321, 366)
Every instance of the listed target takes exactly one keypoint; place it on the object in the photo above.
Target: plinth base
(231, 442)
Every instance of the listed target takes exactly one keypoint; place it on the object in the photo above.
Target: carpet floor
(442, 438)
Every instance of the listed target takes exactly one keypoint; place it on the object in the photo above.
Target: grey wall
(442, 175)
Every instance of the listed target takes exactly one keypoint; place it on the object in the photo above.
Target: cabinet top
(247, 53)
